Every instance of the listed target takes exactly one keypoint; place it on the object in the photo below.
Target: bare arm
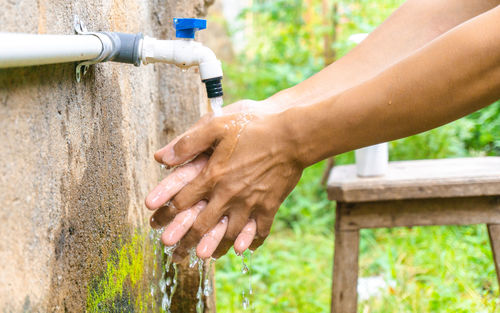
(410, 87)
(450, 77)
(409, 28)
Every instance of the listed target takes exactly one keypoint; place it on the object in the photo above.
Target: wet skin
(180, 223)
(240, 176)
(256, 159)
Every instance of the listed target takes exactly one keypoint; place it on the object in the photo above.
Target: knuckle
(182, 145)
(248, 202)
(176, 202)
(212, 174)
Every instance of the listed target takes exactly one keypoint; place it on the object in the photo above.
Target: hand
(179, 224)
(252, 169)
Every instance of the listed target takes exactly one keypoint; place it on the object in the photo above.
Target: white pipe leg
(30, 49)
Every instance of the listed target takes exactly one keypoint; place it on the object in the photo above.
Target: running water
(199, 295)
(245, 270)
(167, 284)
(207, 283)
(154, 235)
(216, 104)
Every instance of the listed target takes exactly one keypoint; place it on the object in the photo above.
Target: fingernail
(153, 198)
(169, 156)
(168, 237)
(153, 223)
(201, 250)
(241, 246)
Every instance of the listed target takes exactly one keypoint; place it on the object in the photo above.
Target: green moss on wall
(125, 284)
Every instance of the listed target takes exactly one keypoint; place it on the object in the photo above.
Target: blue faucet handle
(187, 27)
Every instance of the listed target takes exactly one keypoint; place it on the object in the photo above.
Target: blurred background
(267, 46)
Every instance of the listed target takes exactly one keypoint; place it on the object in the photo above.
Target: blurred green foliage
(435, 269)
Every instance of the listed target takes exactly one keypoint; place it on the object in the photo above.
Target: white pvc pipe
(183, 53)
(28, 49)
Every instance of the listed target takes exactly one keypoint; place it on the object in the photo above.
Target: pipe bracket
(107, 47)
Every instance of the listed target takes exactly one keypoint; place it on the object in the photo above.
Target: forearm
(409, 28)
(450, 77)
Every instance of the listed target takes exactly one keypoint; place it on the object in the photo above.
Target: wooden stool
(412, 193)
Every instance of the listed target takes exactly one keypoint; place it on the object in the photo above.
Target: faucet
(186, 52)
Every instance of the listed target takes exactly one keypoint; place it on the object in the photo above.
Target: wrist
(313, 131)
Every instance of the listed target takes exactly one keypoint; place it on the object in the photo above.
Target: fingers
(160, 153)
(264, 224)
(174, 182)
(181, 224)
(192, 143)
(204, 183)
(245, 238)
(211, 240)
(237, 220)
(206, 220)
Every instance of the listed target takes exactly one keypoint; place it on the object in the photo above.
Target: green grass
(435, 269)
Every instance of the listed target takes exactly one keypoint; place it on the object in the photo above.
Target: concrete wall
(76, 160)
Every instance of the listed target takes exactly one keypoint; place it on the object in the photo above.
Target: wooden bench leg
(494, 232)
(345, 271)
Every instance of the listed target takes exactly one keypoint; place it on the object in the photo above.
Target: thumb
(190, 144)
(161, 152)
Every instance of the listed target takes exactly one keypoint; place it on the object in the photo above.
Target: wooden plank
(419, 212)
(442, 178)
(345, 272)
(494, 233)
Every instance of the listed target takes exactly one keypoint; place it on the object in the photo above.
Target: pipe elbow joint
(210, 66)
(184, 54)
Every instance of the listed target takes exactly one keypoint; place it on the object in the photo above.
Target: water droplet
(245, 270)
(246, 302)
(207, 288)
(244, 267)
(164, 302)
(199, 294)
(193, 258)
(163, 285)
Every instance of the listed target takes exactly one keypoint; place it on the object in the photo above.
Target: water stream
(216, 104)
(245, 270)
(167, 285)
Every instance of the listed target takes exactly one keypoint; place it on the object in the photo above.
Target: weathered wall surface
(76, 160)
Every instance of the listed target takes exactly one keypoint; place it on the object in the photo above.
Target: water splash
(199, 295)
(245, 270)
(154, 236)
(193, 258)
(207, 283)
(167, 284)
(216, 104)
